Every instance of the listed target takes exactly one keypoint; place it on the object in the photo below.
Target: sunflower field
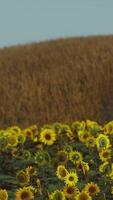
(57, 162)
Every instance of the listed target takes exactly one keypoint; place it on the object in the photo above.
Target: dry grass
(61, 80)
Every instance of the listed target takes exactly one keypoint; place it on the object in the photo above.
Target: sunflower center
(75, 157)
(105, 154)
(21, 178)
(102, 142)
(92, 189)
(47, 137)
(71, 178)
(85, 136)
(24, 195)
(62, 157)
(28, 133)
(68, 149)
(63, 173)
(70, 190)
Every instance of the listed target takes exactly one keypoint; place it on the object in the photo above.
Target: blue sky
(26, 21)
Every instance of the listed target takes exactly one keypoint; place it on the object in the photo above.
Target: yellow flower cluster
(57, 162)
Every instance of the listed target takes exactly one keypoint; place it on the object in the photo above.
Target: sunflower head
(22, 178)
(83, 136)
(93, 127)
(65, 129)
(77, 126)
(47, 136)
(12, 140)
(14, 152)
(102, 141)
(62, 157)
(108, 128)
(83, 196)
(91, 142)
(68, 148)
(105, 167)
(105, 154)
(70, 191)
(15, 129)
(31, 171)
(28, 133)
(57, 195)
(61, 172)
(3, 194)
(75, 156)
(83, 166)
(26, 155)
(57, 127)
(34, 129)
(71, 179)
(24, 194)
(92, 188)
(40, 158)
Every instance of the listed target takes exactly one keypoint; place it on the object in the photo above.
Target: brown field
(62, 80)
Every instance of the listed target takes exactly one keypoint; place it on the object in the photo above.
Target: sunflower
(105, 167)
(83, 196)
(22, 178)
(78, 126)
(83, 166)
(40, 158)
(14, 152)
(91, 142)
(75, 156)
(34, 129)
(57, 127)
(24, 194)
(12, 140)
(26, 155)
(83, 136)
(31, 171)
(3, 194)
(93, 127)
(62, 157)
(105, 154)
(61, 172)
(71, 179)
(108, 128)
(70, 191)
(70, 134)
(47, 136)
(28, 133)
(57, 195)
(102, 141)
(16, 129)
(68, 148)
(92, 188)
(65, 129)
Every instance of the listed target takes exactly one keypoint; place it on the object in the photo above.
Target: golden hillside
(61, 80)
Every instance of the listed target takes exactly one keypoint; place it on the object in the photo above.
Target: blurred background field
(60, 80)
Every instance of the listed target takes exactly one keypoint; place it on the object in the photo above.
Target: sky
(27, 21)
